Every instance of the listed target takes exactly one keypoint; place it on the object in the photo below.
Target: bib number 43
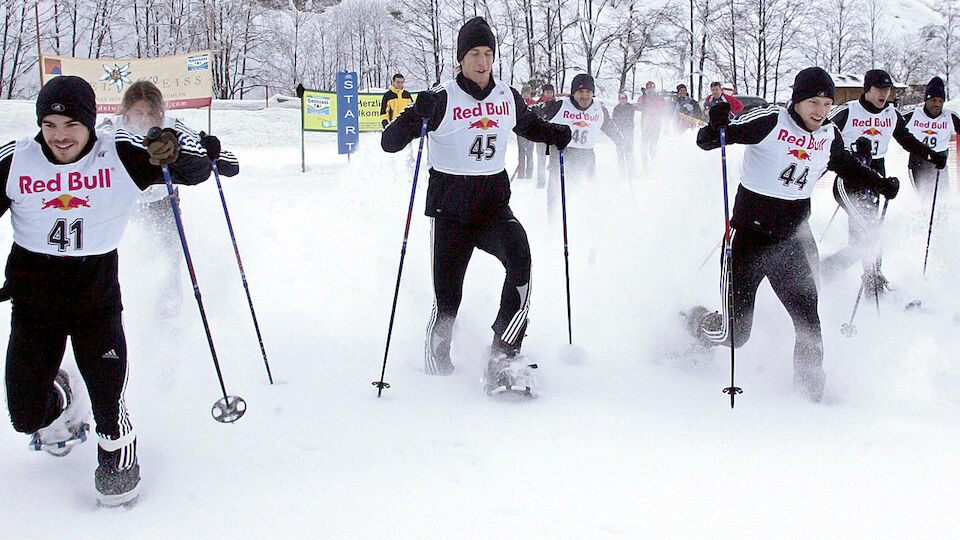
(484, 147)
(788, 176)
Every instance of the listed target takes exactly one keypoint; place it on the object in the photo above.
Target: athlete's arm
(191, 167)
(956, 121)
(530, 125)
(610, 129)
(430, 104)
(227, 163)
(906, 139)
(750, 128)
(848, 167)
(839, 116)
(6, 158)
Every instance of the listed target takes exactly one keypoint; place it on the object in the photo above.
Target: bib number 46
(484, 147)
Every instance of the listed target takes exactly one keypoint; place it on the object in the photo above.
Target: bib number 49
(62, 236)
(484, 147)
(788, 176)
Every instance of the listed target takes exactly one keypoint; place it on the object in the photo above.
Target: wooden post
(36, 17)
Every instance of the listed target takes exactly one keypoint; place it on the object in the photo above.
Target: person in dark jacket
(874, 118)
(547, 94)
(71, 191)
(788, 149)
(469, 120)
(623, 117)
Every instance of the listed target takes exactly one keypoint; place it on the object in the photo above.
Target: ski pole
(732, 390)
(879, 259)
(566, 252)
(403, 252)
(230, 408)
(848, 329)
(827, 228)
(933, 207)
(243, 275)
(710, 255)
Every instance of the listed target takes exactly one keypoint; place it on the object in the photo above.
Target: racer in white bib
(788, 150)
(142, 108)
(874, 118)
(70, 191)
(469, 120)
(587, 118)
(932, 125)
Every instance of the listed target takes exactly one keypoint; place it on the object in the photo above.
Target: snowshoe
(117, 487)
(69, 429)
(510, 376)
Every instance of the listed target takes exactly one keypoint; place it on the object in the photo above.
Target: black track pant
(863, 219)
(453, 245)
(56, 297)
(790, 266)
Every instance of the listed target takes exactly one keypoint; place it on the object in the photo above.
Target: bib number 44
(788, 176)
(484, 147)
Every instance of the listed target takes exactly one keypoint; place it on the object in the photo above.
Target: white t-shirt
(472, 137)
(72, 210)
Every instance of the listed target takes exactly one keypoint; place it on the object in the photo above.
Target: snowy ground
(627, 443)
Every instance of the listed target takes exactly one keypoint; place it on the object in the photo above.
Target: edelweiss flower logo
(117, 75)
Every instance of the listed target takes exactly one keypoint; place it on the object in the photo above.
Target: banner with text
(319, 110)
(186, 80)
(347, 112)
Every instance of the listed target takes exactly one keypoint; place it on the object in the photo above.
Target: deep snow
(627, 443)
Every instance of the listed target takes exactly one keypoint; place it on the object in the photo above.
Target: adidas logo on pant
(111, 355)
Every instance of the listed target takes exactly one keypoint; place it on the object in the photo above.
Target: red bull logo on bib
(74, 181)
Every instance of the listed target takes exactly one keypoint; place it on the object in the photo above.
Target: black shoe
(437, 355)
(701, 320)
(117, 487)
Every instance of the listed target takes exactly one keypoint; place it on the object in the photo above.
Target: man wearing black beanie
(587, 118)
(469, 120)
(788, 149)
(70, 191)
(932, 125)
(873, 121)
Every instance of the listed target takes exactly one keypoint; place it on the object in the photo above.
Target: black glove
(162, 146)
(426, 104)
(211, 144)
(862, 148)
(939, 160)
(384, 123)
(720, 115)
(889, 187)
(560, 135)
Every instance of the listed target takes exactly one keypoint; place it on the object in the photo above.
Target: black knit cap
(582, 81)
(474, 33)
(812, 82)
(70, 96)
(935, 89)
(878, 78)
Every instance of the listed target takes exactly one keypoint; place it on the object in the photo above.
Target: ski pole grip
(153, 134)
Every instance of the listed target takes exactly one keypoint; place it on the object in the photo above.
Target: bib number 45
(788, 176)
(484, 147)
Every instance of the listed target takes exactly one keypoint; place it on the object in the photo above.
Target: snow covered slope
(628, 443)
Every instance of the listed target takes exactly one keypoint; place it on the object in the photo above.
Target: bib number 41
(484, 147)
(62, 236)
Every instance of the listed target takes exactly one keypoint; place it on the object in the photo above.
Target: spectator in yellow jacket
(395, 101)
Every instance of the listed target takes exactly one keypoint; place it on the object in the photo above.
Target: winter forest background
(276, 44)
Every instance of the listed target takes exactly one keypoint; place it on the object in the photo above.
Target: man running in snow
(789, 148)
(469, 121)
(874, 118)
(932, 125)
(586, 118)
(71, 190)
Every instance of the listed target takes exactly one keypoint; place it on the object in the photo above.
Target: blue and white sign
(348, 112)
